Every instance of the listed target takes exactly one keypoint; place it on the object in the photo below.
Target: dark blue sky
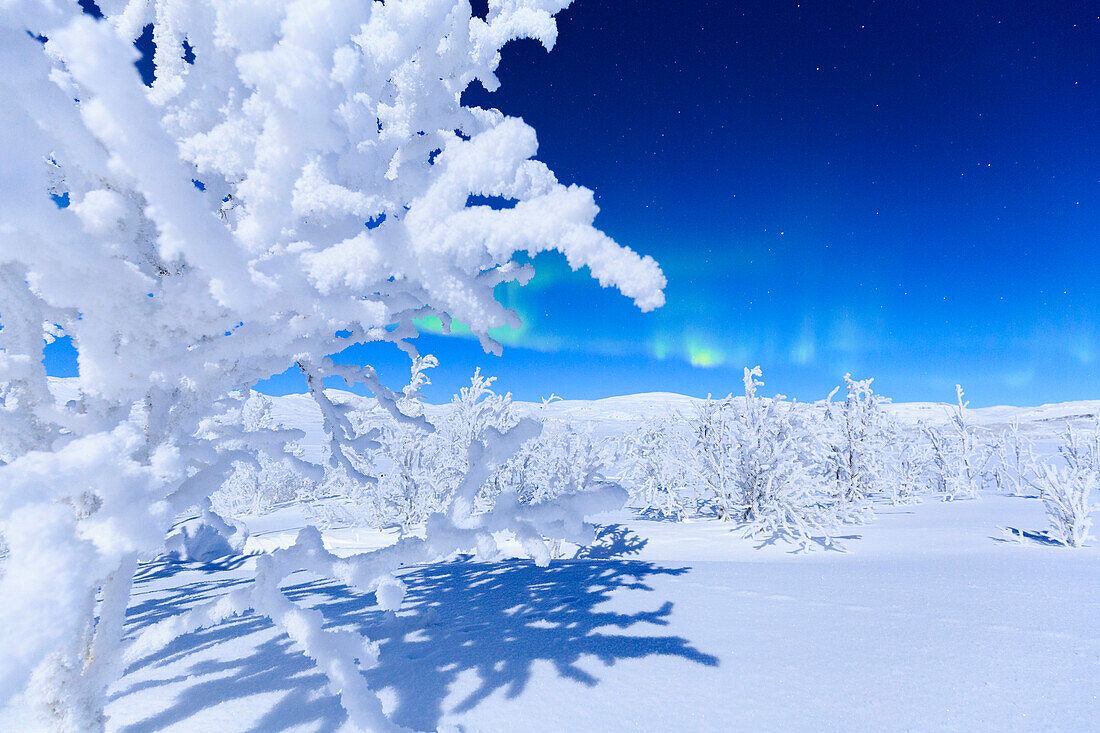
(902, 190)
(909, 191)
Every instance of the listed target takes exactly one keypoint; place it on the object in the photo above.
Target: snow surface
(938, 616)
(931, 619)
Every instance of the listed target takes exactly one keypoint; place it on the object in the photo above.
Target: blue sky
(909, 191)
(903, 190)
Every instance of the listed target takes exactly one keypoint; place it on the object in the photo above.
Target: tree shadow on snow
(829, 544)
(612, 541)
(466, 631)
(1017, 536)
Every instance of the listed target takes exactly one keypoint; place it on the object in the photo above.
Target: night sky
(909, 191)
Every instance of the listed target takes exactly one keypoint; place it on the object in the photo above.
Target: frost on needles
(216, 234)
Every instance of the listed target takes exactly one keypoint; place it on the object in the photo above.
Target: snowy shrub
(908, 467)
(419, 469)
(413, 464)
(959, 456)
(870, 453)
(1067, 496)
(715, 452)
(762, 460)
(859, 439)
(259, 485)
(341, 501)
(1080, 449)
(299, 185)
(474, 410)
(1016, 471)
(564, 458)
(407, 475)
(655, 459)
(253, 490)
(1067, 490)
(570, 459)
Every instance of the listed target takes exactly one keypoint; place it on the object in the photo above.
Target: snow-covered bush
(259, 485)
(1067, 490)
(656, 461)
(715, 446)
(1067, 497)
(870, 453)
(859, 440)
(419, 469)
(565, 458)
(959, 455)
(416, 472)
(409, 463)
(410, 483)
(764, 463)
(1016, 471)
(298, 184)
(340, 501)
(909, 461)
(562, 458)
(474, 410)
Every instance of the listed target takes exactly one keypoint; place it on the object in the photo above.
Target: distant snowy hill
(616, 415)
(613, 416)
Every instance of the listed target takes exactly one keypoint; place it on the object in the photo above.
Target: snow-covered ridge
(636, 407)
(614, 414)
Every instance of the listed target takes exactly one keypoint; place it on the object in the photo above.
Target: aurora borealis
(910, 192)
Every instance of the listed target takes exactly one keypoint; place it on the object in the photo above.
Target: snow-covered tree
(298, 183)
(859, 441)
(563, 458)
(908, 465)
(259, 485)
(476, 409)
(1016, 470)
(416, 474)
(656, 460)
(715, 451)
(1067, 490)
(566, 458)
(959, 454)
(1067, 496)
(763, 463)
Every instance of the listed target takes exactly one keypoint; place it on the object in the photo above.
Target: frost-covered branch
(297, 184)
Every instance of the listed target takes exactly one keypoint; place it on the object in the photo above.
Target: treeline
(800, 470)
(775, 467)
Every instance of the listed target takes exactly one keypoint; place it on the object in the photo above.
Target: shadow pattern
(1017, 536)
(487, 622)
(612, 541)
